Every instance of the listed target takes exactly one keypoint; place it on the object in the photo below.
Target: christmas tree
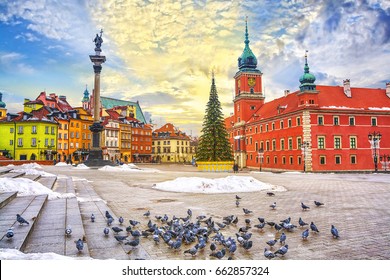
(214, 143)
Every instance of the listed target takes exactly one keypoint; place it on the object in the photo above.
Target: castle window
(252, 91)
(337, 159)
(353, 159)
(322, 160)
(289, 123)
(374, 121)
(321, 142)
(320, 120)
(351, 120)
(352, 142)
(336, 120)
(337, 142)
(298, 121)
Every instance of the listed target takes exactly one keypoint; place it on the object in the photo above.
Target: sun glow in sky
(162, 52)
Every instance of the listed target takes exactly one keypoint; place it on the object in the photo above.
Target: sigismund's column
(95, 157)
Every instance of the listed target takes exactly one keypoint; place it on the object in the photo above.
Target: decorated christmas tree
(214, 143)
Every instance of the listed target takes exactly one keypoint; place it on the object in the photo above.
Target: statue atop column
(98, 41)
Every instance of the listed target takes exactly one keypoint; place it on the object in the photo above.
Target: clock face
(251, 82)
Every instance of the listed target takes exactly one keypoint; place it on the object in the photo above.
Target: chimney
(62, 97)
(286, 92)
(388, 89)
(347, 88)
(52, 95)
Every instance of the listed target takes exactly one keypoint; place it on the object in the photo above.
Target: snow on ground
(229, 184)
(13, 254)
(26, 187)
(128, 168)
(81, 166)
(30, 169)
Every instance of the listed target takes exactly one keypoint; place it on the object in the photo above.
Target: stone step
(29, 207)
(6, 197)
(32, 177)
(48, 181)
(13, 174)
(49, 233)
(4, 169)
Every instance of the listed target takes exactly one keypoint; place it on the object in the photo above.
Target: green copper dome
(2, 104)
(86, 96)
(307, 79)
(247, 60)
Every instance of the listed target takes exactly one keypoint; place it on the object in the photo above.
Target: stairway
(48, 219)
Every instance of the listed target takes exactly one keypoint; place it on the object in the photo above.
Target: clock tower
(248, 85)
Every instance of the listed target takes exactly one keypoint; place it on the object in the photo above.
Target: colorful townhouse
(30, 136)
(170, 145)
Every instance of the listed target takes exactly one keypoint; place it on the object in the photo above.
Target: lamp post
(261, 156)
(385, 160)
(374, 138)
(304, 147)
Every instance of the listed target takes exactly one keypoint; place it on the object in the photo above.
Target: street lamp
(261, 156)
(385, 160)
(374, 138)
(304, 147)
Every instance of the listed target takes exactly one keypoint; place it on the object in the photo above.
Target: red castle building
(316, 128)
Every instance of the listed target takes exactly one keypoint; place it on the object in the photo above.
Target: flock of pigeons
(202, 232)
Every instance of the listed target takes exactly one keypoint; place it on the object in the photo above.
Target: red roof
(329, 97)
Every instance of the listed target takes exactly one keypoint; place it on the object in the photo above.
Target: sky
(162, 53)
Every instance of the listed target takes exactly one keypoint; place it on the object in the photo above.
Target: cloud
(11, 62)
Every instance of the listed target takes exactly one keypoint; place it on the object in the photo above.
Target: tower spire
(307, 79)
(247, 61)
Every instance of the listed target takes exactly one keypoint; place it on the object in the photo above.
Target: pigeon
(106, 231)
(268, 254)
(301, 222)
(271, 224)
(120, 238)
(176, 244)
(286, 221)
(117, 229)
(92, 218)
(235, 221)
(108, 215)
(261, 220)
(270, 194)
(237, 197)
(247, 211)
(271, 242)
(133, 243)
(189, 212)
(147, 213)
(109, 221)
(213, 247)
(247, 244)
(334, 231)
(317, 203)
(277, 227)
(192, 251)
(156, 238)
(304, 207)
(121, 220)
(133, 222)
(135, 233)
(219, 254)
(237, 203)
(260, 226)
(282, 250)
(10, 233)
(21, 220)
(283, 238)
(80, 245)
(273, 206)
(313, 227)
(232, 248)
(68, 231)
(305, 234)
